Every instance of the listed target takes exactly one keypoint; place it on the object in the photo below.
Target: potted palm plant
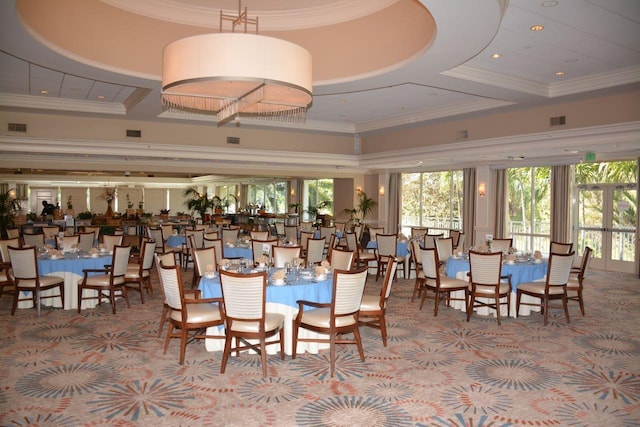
(9, 208)
(366, 205)
(199, 202)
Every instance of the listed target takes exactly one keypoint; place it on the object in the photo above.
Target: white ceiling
(596, 43)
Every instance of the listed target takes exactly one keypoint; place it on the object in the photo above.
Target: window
(529, 208)
(273, 196)
(228, 197)
(433, 200)
(317, 198)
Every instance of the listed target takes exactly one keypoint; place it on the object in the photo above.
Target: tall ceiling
(378, 64)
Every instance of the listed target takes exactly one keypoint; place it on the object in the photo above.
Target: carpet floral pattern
(94, 368)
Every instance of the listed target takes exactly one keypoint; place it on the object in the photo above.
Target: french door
(605, 220)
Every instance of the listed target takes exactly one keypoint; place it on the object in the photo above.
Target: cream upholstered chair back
(283, 254)
(444, 247)
(120, 261)
(340, 226)
(263, 247)
(85, 241)
(501, 245)
(429, 257)
(4, 248)
(460, 244)
(374, 231)
(212, 233)
(304, 237)
(559, 269)
(560, 248)
(168, 275)
(146, 254)
(326, 232)
(485, 268)
(348, 289)
(200, 226)
(13, 233)
(352, 241)
(93, 229)
(430, 240)
(358, 230)
(198, 237)
(167, 230)
(390, 273)
(244, 295)
(35, 240)
(205, 260)
(23, 263)
(387, 245)
(230, 235)
(259, 235)
(111, 240)
(155, 234)
(416, 255)
(67, 243)
(341, 259)
(417, 233)
(50, 232)
(280, 229)
(217, 244)
(306, 226)
(291, 233)
(315, 251)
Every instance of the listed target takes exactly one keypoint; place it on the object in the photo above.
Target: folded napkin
(224, 261)
(48, 246)
(93, 251)
(537, 255)
(210, 269)
(320, 270)
(278, 275)
(325, 264)
(511, 257)
(402, 237)
(55, 252)
(262, 259)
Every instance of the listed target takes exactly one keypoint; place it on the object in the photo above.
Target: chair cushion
(370, 303)
(102, 280)
(321, 318)
(451, 283)
(489, 290)
(199, 313)
(272, 321)
(538, 288)
(44, 281)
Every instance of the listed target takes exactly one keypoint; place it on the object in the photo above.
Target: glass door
(606, 221)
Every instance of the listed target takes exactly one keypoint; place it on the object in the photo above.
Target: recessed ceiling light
(515, 157)
(559, 73)
(550, 3)
(100, 96)
(44, 91)
(570, 151)
(536, 28)
(496, 56)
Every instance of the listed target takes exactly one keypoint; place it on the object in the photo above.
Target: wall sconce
(293, 192)
(358, 189)
(482, 189)
(381, 191)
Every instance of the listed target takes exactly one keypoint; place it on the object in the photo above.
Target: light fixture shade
(237, 73)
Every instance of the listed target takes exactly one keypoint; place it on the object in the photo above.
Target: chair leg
(498, 308)
(566, 308)
(166, 341)
(263, 357)
(163, 319)
(417, 289)
(225, 353)
(518, 304)
(356, 334)
(294, 338)
(332, 353)
(580, 301)
(183, 344)
(472, 299)
(383, 328)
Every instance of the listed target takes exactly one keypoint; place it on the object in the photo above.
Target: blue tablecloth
(520, 272)
(287, 295)
(176, 240)
(402, 248)
(237, 252)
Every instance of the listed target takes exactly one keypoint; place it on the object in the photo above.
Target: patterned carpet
(65, 369)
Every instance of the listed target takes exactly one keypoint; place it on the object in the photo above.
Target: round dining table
(279, 299)
(520, 272)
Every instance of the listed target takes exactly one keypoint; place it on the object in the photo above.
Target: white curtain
(395, 194)
(500, 184)
(560, 203)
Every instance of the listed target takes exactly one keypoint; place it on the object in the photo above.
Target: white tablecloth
(280, 299)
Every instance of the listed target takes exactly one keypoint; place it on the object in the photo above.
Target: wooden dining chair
(388, 248)
(486, 283)
(314, 253)
(283, 254)
(36, 240)
(373, 308)
(246, 318)
(27, 279)
(108, 282)
(577, 278)
(341, 259)
(189, 315)
(138, 274)
(291, 234)
(553, 288)
(263, 248)
(501, 245)
(7, 282)
(259, 235)
(110, 241)
(560, 248)
(441, 285)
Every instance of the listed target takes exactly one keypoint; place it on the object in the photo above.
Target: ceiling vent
(134, 133)
(558, 121)
(17, 127)
(462, 134)
(233, 140)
